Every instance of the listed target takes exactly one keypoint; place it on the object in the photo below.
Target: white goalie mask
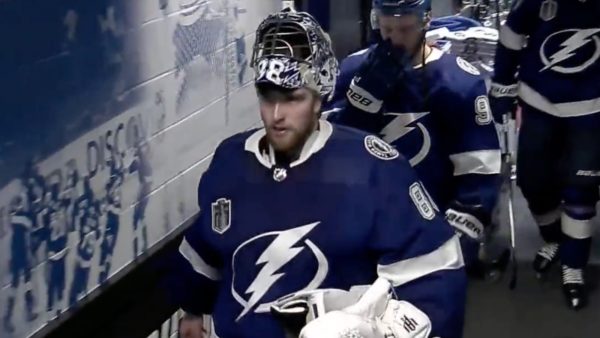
(292, 51)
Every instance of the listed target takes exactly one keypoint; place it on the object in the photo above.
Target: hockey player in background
(200, 31)
(433, 108)
(112, 206)
(20, 260)
(554, 46)
(57, 249)
(141, 165)
(302, 204)
(89, 233)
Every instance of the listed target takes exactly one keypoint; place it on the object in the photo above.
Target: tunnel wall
(105, 101)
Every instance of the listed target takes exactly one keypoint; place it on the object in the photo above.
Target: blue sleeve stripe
(198, 264)
(446, 257)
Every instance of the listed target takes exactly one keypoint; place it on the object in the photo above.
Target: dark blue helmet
(420, 8)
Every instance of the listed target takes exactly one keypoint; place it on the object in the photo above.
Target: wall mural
(110, 113)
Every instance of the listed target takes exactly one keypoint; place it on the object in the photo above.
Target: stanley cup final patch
(380, 149)
(221, 215)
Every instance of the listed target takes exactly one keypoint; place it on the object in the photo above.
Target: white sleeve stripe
(563, 109)
(446, 257)
(362, 99)
(198, 264)
(485, 162)
(23, 220)
(510, 39)
(327, 112)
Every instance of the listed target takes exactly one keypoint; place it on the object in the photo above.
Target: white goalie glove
(373, 315)
(295, 310)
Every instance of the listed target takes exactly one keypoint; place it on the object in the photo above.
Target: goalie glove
(375, 315)
(293, 311)
(383, 70)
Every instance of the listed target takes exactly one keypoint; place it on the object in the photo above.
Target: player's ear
(427, 21)
(317, 104)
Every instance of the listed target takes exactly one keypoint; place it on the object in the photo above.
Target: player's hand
(503, 101)
(384, 68)
(468, 220)
(469, 223)
(191, 326)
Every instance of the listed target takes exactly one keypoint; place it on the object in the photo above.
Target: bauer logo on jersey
(570, 51)
(421, 200)
(467, 66)
(285, 262)
(221, 215)
(380, 149)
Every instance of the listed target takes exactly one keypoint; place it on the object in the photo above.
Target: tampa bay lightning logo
(402, 124)
(570, 51)
(286, 250)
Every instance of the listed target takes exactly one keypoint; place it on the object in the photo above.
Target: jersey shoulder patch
(421, 200)
(467, 66)
(380, 149)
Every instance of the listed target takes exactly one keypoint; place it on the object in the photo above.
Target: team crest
(380, 149)
(570, 51)
(421, 201)
(221, 215)
(467, 66)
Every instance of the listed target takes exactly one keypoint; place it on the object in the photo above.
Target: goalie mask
(292, 51)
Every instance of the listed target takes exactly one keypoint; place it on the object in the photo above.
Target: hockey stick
(512, 175)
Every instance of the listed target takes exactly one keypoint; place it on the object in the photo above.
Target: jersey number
(271, 69)
(483, 113)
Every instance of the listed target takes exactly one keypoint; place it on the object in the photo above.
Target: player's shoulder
(455, 75)
(229, 153)
(352, 62)
(235, 143)
(451, 67)
(363, 148)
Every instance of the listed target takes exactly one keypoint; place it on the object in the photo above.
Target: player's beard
(289, 144)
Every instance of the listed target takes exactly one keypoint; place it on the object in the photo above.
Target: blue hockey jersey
(58, 238)
(439, 118)
(554, 46)
(349, 209)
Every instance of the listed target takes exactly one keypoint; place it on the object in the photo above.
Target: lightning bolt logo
(579, 39)
(275, 256)
(399, 126)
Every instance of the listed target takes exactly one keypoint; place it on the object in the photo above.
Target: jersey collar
(315, 142)
(435, 55)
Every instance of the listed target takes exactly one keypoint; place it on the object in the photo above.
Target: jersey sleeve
(418, 252)
(471, 141)
(521, 21)
(198, 265)
(339, 111)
